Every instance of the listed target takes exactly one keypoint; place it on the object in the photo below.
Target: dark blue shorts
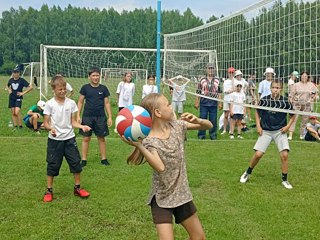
(237, 116)
(56, 150)
(15, 103)
(98, 125)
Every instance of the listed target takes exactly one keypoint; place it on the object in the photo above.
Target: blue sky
(201, 8)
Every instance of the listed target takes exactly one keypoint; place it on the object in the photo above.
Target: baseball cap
(312, 117)
(238, 72)
(295, 73)
(269, 70)
(210, 65)
(231, 70)
(41, 104)
(16, 70)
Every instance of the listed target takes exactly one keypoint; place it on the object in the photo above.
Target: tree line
(23, 30)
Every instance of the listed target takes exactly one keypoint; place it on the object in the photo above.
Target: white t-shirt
(147, 89)
(264, 88)
(126, 93)
(228, 85)
(178, 94)
(238, 97)
(290, 83)
(60, 117)
(315, 127)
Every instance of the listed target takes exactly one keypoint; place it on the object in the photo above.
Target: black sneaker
(105, 162)
(83, 163)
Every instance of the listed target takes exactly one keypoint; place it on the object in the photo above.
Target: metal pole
(158, 44)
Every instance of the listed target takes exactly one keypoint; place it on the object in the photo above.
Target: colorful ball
(133, 122)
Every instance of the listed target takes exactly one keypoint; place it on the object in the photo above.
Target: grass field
(116, 209)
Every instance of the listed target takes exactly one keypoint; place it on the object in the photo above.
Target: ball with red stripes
(133, 122)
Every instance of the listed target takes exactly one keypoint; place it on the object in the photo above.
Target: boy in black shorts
(96, 98)
(59, 119)
(272, 126)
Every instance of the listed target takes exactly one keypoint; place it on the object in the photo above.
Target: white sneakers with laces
(244, 177)
(286, 184)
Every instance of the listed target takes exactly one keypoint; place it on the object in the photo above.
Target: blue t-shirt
(17, 86)
(94, 99)
(273, 120)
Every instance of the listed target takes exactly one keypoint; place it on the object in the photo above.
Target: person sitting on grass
(60, 117)
(272, 125)
(312, 130)
(34, 113)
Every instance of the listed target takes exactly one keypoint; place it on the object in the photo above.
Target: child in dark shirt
(272, 125)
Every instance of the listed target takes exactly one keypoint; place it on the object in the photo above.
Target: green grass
(116, 209)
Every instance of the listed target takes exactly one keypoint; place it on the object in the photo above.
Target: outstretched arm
(195, 123)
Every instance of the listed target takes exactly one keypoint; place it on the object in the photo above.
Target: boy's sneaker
(48, 197)
(286, 184)
(231, 137)
(239, 136)
(81, 193)
(289, 138)
(223, 132)
(244, 177)
(105, 162)
(83, 163)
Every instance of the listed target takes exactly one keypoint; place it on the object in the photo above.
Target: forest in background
(23, 30)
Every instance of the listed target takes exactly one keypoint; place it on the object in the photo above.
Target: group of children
(163, 148)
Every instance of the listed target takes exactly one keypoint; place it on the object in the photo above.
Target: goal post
(74, 62)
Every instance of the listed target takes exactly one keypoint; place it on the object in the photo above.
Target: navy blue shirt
(94, 96)
(17, 86)
(273, 120)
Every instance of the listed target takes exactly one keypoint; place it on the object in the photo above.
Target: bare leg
(85, 147)
(76, 178)
(255, 159)
(194, 228)
(284, 161)
(165, 231)
(102, 147)
(225, 120)
(49, 181)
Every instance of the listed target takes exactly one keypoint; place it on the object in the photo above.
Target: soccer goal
(74, 62)
(282, 34)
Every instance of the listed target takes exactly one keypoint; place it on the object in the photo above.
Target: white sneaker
(244, 177)
(301, 137)
(223, 132)
(231, 137)
(115, 130)
(239, 136)
(289, 138)
(286, 184)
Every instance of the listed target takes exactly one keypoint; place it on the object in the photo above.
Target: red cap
(231, 70)
(312, 117)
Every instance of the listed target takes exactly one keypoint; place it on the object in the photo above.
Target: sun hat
(269, 70)
(238, 72)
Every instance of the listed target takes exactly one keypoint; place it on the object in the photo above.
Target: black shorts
(30, 125)
(237, 116)
(164, 215)
(56, 150)
(98, 125)
(309, 137)
(15, 103)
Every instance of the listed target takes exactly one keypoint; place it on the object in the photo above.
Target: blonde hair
(57, 80)
(150, 103)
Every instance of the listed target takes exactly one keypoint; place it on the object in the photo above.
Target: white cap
(238, 72)
(269, 70)
(41, 104)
